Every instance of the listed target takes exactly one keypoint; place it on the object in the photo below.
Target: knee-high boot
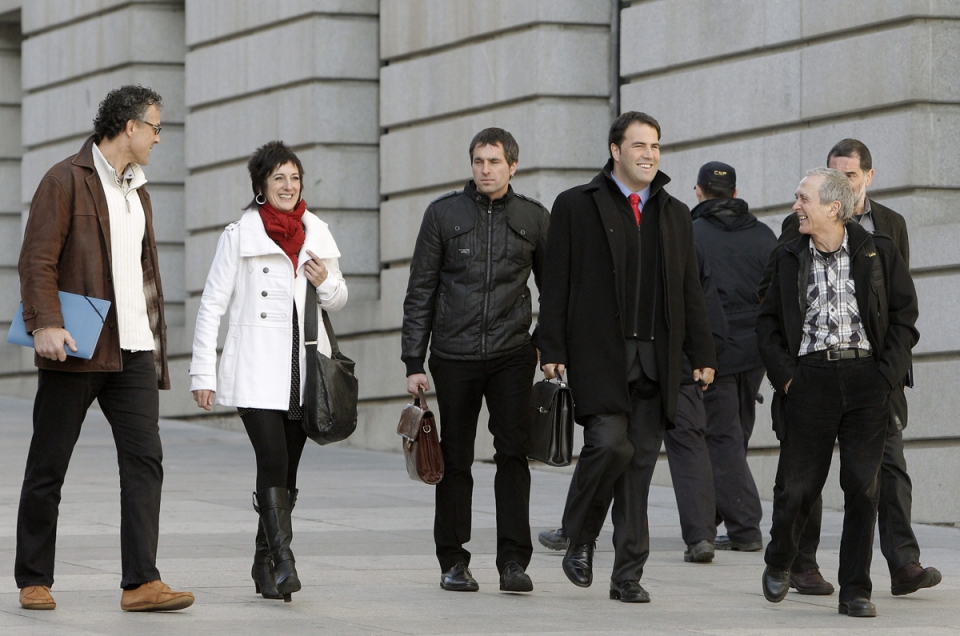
(262, 572)
(275, 518)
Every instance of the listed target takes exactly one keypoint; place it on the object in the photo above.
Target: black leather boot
(262, 572)
(275, 517)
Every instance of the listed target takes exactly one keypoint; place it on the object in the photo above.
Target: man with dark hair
(468, 297)
(737, 247)
(90, 231)
(836, 327)
(621, 303)
(897, 540)
(686, 444)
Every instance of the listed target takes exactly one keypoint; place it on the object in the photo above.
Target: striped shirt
(833, 318)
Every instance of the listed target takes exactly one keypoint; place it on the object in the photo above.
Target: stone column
(301, 72)
(538, 68)
(72, 55)
(12, 358)
(769, 87)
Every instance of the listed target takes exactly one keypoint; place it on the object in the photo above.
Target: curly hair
(265, 161)
(120, 106)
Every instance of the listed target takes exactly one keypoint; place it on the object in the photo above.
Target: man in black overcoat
(620, 305)
(898, 543)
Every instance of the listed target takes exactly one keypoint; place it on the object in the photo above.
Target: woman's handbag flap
(410, 418)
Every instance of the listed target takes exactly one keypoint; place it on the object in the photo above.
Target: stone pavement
(364, 551)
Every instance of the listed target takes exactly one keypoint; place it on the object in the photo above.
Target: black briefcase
(551, 423)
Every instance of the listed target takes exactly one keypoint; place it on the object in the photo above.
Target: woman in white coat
(260, 272)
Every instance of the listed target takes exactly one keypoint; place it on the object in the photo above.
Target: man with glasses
(90, 231)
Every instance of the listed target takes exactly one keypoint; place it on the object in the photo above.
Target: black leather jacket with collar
(468, 294)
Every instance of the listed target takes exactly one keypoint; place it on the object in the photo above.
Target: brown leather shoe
(810, 582)
(37, 597)
(155, 596)
(913, 577)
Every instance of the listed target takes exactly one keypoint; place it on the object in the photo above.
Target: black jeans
(690, 469)
(898, 543)
(462, 385)
(738, 501)
(845, 401)
(131, 403)
(616, 462)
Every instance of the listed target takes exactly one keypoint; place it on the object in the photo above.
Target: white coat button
(266, 270)
(263, 315)
(263, 293)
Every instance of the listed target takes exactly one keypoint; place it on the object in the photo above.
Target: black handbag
(551, 423)
(330, 393)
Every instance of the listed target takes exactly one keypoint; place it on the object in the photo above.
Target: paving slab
(363, 540)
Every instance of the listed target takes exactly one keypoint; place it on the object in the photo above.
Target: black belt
(833, 355)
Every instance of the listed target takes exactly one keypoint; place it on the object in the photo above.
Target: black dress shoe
(458, 579)
(723, 542)
(776, 584)
(578, 564)
(514, 579)
(859, 607)
(553, 539)
(628, 592)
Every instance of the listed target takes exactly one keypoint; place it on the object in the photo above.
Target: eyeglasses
(156, 127)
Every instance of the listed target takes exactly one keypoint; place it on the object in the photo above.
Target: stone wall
(381, 98)
(11, 152)
(769, 87)
(304, 72)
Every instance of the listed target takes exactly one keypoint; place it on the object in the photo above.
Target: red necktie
(635, 204)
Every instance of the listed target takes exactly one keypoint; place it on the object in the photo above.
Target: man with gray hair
(834, 349)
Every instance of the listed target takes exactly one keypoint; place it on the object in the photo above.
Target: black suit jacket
(581, 301)
(887, 305)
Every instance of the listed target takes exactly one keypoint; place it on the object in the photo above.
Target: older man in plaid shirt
(836, 327)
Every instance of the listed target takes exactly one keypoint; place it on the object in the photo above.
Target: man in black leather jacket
(468, 297)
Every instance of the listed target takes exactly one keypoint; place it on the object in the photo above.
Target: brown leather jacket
(66, 246)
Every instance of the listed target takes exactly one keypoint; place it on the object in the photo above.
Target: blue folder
(83, 317)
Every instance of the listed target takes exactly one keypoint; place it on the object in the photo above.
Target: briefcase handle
(559, 379)
(421, 400)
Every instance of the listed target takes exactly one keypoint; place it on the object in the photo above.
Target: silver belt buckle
(833, 355)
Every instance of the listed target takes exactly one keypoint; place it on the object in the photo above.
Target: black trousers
(845, 401)
(897, 539)
(690, 468)
(617, 461)
(748, 385)
(738, 501)
(505, 383)
(130, 401)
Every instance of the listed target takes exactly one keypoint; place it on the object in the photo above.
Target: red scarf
(285, 228)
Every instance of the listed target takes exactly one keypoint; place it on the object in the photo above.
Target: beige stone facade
(381, 98)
